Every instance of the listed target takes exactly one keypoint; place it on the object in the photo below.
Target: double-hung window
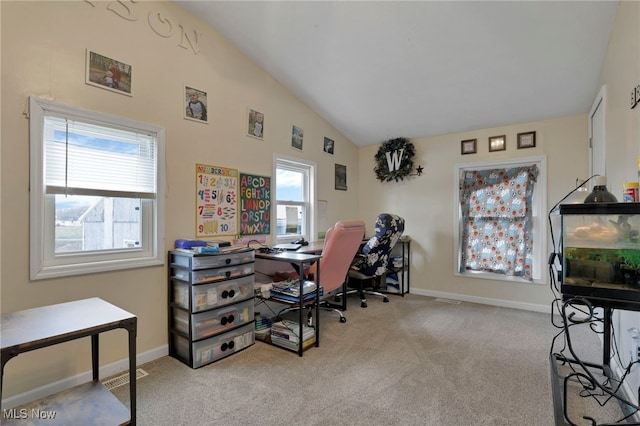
(500, 229)
(295, 188)
(97, 188)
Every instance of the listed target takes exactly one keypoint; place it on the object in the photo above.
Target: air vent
(450, 301)
(123, 379)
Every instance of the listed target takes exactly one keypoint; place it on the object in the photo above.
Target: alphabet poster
(255, 204)
(216, 201)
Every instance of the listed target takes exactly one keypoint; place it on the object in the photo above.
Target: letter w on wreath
(394, 160)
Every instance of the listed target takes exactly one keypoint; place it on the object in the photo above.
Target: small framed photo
(328, 145)
(341, 177)
(108, 73)
(195, 104)
(469, 146)
(497, 143)
(256, 124)
(526, 140)
(297, 134)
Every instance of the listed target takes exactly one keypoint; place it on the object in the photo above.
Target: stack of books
(285, 333)
(263, 327)
(290, 290)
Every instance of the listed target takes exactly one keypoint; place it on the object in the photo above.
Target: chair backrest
(389, 228)
(341, 243)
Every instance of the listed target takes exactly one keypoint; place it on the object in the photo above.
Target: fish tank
(601, 253)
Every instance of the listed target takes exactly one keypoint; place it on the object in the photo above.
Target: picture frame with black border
(341, 177)
(526, 140)
(256, 121)
(328, 146)
(297, 136)
(108, 73)
(497, 143)
(195, 104)
(469, 146)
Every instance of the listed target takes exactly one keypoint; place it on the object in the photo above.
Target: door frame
(599, 103)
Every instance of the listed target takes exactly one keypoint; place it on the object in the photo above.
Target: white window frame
(309, 168)
(44, 262)
(539, 205)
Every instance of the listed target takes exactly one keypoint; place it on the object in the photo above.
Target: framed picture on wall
(341, 177)
(195, 104)
(469, 146)
(297, 134)
(328, 145)
(256, 124)
(108, 73)
(526, 140)
(497, 143)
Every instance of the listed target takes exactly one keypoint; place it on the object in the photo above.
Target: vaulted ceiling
(378, 70)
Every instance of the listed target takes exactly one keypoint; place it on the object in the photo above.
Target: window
(295, 188)
(501, 229)
(96, 191)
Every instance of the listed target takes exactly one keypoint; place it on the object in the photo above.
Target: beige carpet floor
(413, 361)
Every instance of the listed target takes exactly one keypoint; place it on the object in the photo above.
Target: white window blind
(81, 160)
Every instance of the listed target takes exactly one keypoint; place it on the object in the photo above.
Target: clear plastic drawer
(211, 275)
(215, 348)
(208, 323)
(207, 296)
(203, 261)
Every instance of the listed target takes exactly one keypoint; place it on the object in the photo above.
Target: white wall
(43, 54)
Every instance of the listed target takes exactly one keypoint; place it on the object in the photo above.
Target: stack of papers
(292, 287)
(285, 334)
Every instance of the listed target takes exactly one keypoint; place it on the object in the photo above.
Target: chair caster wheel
(343, 319)
(363, 304)
(385, 300)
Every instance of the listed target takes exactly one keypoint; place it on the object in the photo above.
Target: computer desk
(299, 260)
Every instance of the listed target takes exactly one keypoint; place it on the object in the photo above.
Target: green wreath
(406, 164)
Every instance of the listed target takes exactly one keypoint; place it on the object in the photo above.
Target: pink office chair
(341, 243)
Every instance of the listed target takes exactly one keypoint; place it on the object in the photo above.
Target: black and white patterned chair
(373, 260)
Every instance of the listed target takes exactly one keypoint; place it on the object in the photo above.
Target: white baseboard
(105, 371)
(546, 309)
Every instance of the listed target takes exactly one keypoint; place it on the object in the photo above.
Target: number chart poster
(255, 204)
(216, 201)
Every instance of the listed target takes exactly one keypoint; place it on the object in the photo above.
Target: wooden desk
(299, 260)
(90, 403)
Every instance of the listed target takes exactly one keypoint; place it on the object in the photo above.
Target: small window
(501, 229)
(294, 185)
(96, 182)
